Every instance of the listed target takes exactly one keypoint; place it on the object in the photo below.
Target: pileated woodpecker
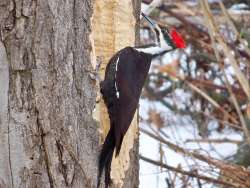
(125, 75)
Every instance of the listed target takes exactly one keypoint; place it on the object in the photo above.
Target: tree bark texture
(115, 26)
(48, 137)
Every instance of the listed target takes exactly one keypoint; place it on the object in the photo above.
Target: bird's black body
(126, 73)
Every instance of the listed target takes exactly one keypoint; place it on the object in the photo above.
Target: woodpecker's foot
(98, 63)
(98, 98)
(94, 75)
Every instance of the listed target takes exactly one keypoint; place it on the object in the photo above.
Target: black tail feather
(106, 158)
(108, 180)
(118, 146)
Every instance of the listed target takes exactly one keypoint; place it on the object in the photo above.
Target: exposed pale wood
(114, 26)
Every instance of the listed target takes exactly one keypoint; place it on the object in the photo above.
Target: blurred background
(194, 110)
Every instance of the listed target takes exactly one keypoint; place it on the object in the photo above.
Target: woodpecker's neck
(155, 50)
(152, 50)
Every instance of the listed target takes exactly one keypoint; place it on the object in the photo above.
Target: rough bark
(115, 26)
(48, 137)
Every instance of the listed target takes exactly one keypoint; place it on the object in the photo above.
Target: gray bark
(47, 135)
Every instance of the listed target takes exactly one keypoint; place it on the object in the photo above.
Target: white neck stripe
(116, 69)
(151, 50)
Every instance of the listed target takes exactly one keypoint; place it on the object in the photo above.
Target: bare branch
(216, 141)
(188, 173)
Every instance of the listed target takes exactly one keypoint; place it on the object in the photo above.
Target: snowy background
(182, 129)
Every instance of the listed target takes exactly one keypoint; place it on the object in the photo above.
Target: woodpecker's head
(166, 39)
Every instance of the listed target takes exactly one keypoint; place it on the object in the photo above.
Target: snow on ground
(181, 129)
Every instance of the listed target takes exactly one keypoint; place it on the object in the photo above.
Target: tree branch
(188, 173)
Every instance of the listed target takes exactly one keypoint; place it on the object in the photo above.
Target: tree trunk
(48, 136)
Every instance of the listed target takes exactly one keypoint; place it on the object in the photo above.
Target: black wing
(132, 71)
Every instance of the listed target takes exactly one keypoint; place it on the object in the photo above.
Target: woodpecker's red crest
(177, 39)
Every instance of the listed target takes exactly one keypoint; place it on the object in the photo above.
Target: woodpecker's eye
(164, 30)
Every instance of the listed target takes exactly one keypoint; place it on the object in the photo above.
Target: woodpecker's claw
(98, 64)
(94, 75)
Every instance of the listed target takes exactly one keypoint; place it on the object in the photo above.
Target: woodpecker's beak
(151, 22)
